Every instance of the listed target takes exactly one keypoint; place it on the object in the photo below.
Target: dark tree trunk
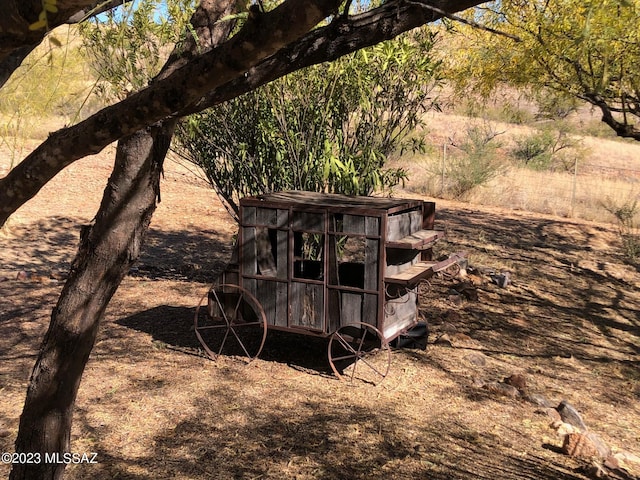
(107, 250)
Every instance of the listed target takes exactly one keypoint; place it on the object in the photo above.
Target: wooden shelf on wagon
(420, 240)
(422, 270)
(413, 274)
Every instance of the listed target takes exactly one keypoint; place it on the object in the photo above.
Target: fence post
(444, 161)
(573, 192)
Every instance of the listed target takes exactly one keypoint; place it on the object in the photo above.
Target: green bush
(328, 128)
(535, 151)
(550, 148)
(475, 163)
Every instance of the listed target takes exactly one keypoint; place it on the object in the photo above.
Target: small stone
(461, 337)
(447, 327)
(517, 380)
(595, 470)
(624, 461)
(478, 383)
(569, 414)
(467, 290)
(456, 299)
(477, 359)
(502, 389)
(444, 339)
(502, 279)
(57, 276)
(22, 276)
(552, 413)
(563, 429)
(585, 445)
(540, 401)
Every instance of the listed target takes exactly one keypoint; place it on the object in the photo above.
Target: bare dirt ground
(154, 407)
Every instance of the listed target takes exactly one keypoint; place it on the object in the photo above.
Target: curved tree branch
(18, 15)
(14, 58)
(235, 67)
(343, 36)
(259, 38)
(622, 129)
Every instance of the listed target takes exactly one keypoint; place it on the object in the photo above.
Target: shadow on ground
(236, 437)
(47, 247)
(173, 327)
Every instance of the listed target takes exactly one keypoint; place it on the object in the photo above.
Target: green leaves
(587, 49)
(328, 128)
(128, 45)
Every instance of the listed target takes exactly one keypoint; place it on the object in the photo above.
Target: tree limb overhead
(233, 60)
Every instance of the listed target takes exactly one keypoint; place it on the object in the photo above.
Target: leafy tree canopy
(327, 128)
(589, 50)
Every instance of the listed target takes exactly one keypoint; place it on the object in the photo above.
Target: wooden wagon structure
(341, 267)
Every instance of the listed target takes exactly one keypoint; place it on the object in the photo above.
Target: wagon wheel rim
(229, 326)
(368, 365)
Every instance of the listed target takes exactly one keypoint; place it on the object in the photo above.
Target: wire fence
(582, 190)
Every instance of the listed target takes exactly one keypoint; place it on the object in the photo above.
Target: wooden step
(423, 270)
(420, 240)
(413, 274)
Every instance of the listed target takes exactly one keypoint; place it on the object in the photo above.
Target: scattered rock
(477, 359)
(503, 280)
(451, 339)
(595, 470)
(478, 383)
(569, 414)
(449, 327)
(563, 429)
(444, 339)
(503, 389)
(22, 276)
(585, 445)
(552, 413)
(540, 401)
(623, 461)
(460, 337)
(57, 276)
(455, 298)
(517, 380)
(467, 290)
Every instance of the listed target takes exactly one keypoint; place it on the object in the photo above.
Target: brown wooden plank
(351, 308)
(412, 274)
(400, 313)
(266, 295)
(283, 247)
(307, 305)
(371, 265)
(282, 305)
(419, 240)
(249, 262)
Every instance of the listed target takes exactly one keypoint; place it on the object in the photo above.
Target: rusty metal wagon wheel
(359, 351)
(233, 322)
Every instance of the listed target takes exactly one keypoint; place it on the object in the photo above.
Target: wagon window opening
(350, 256)
(308, 251)
(267, 251)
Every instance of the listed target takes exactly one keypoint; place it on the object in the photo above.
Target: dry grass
(608, 171)
(152, 406)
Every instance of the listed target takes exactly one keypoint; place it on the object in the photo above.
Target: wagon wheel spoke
(234, 323)
(365, 354)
